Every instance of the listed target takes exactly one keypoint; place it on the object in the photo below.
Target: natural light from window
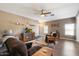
(45, 29)
(69, 29)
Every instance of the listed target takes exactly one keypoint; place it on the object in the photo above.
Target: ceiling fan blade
(52, 14)
(49, 12)
(42, 11)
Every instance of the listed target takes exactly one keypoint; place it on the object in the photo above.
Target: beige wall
(8, 21)
(77, 28)
(60, 26)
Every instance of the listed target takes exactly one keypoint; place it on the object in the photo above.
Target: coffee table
(44, 51)
(40, 43)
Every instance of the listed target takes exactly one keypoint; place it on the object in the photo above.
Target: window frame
(45, 31)
(66, 30)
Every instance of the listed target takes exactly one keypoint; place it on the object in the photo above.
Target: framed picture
(55, 25)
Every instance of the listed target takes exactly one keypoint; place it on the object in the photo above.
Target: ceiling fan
(45, 13)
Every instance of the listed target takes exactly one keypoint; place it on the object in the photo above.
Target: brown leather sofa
(18, 48)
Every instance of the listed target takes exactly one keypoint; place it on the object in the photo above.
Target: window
(45, 29)
(69, 29)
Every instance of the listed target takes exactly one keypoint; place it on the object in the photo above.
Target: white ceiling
(32, 10)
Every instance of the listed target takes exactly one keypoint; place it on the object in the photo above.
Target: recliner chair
(18, 48)
(15, 47)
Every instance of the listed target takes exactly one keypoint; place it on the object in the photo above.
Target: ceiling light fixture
(42, 15)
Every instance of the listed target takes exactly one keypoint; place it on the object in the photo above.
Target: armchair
(51, 38)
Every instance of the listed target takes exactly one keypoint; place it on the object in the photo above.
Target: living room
(35, 23)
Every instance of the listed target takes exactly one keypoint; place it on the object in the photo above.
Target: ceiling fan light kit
(42, 15)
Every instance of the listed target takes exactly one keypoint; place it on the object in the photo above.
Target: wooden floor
(67, 48)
